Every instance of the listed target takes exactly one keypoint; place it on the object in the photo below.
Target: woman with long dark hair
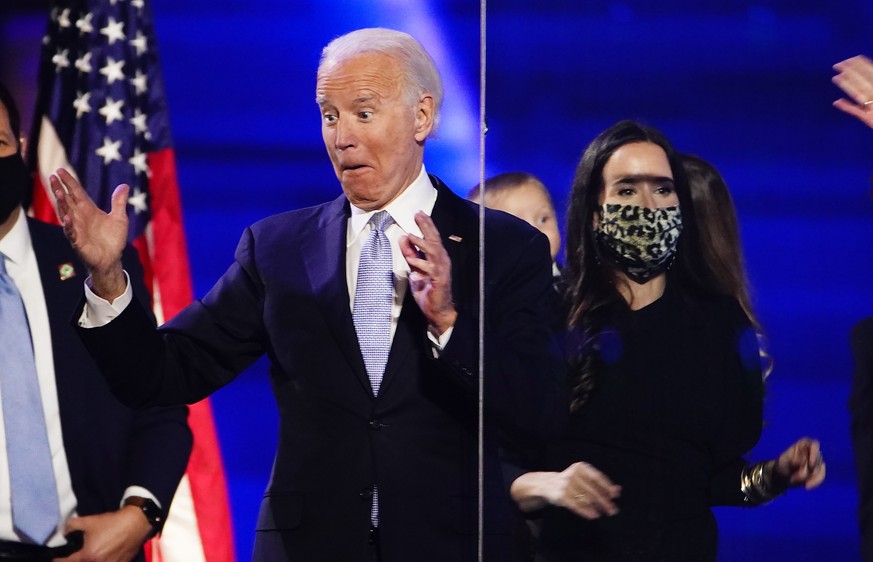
(665, 377)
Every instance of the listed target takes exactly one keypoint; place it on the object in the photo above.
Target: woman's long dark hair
(591, 292)
(719, 235)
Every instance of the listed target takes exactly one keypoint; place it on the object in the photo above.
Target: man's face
(13, 174)
(8, 142)
(373, 133)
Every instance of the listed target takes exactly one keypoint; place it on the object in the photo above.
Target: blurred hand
(855, 78)
(580, 488)
(99, 238)
(116, 536)
(801, 464)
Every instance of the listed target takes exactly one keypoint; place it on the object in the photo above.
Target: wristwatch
(150, 509)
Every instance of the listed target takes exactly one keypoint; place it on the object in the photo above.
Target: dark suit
(108, 446)
(861, 410)
(286, 295)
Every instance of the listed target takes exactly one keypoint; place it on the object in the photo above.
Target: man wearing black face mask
(79, 472)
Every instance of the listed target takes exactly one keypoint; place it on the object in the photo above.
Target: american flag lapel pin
(455, 238)
(66, 270)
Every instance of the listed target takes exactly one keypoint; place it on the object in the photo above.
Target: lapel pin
(66, 270)
(455, 238)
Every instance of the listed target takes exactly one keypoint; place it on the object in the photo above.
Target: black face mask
(13, 184)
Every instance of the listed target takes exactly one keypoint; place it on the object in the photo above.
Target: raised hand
(99, 238)
(855, 78)
(430, 276)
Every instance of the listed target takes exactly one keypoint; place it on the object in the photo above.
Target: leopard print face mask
(638, 240)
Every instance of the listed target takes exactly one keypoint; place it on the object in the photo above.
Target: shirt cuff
(139, 492)
(98, 311)
(437, 344)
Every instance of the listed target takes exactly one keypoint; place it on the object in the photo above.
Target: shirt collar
(17, 241)
(419, 196)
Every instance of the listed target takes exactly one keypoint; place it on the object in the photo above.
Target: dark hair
(12, 110)
(719, 237)
(591, 290)
(504, 182)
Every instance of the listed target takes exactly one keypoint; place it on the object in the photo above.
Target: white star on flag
(81, 103)
(112, 71)
(139, 121)
(138, 160)
(111, 110)
(114, 31)
(139, 43)
(83, 63)
(61, 59)
(84, 23)
(139, 82)
(109, 151)
(64, 18)
(138, 201)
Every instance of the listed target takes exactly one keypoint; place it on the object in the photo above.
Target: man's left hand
(430, 276)
(116, 536)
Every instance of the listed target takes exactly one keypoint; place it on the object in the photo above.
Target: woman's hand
(580, 488)
(855, 78)
(801, 464)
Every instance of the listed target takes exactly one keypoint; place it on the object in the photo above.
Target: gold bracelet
(755, 484)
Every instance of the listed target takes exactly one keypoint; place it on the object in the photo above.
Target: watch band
(150, 509)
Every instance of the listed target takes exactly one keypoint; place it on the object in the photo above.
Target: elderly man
(80, 473)
(367, 307)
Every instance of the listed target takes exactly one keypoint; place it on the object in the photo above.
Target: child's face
(530, 202)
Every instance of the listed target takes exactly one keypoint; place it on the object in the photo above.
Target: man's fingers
(119, 200)
(71, 187)
(412, 257)
(428, 228)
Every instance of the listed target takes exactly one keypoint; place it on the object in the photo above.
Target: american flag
(101, 113)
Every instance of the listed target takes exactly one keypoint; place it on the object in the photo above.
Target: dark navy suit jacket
(108, 445)
(286, 296)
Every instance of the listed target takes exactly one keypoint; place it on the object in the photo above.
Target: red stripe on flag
(42, 207)
(171, 280)
(208, 486)
(170, 253)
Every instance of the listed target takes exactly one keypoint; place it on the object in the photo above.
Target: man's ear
(424, 117)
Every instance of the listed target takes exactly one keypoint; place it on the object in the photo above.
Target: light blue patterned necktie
(35, 508)
(374, 299)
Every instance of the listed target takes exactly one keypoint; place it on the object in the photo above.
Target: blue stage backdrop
(743, 84)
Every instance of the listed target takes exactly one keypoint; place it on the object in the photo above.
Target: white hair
(420, 73)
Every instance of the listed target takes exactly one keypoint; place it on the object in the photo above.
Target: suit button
(366, 493)
(376, 425)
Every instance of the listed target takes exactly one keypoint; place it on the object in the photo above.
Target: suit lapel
(324, 255)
